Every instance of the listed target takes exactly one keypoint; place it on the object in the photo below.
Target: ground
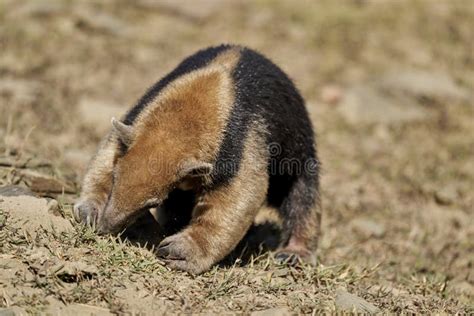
(389, 87)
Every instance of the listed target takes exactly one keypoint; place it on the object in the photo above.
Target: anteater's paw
(86, 212)
(181, 252)
(292, 258)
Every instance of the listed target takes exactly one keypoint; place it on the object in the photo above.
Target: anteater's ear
(194, 168)
(124, 132)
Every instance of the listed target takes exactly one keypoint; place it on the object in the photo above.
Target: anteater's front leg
(97, 183)
(219, 222)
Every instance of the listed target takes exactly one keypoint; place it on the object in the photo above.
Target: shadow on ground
(261, 238)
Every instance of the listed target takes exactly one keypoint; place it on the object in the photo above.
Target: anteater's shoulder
(199, 60)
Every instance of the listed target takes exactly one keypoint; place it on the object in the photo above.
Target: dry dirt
(389, 86)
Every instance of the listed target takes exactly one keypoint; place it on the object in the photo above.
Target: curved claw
(86, 212)
(180, 252)
(166, 250)
(287, 258)
(294, 257)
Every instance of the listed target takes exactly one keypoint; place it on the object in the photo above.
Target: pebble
(15, 190)
(348, 302)
(368, 228)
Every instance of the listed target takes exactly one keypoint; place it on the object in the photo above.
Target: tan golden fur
(222, 217)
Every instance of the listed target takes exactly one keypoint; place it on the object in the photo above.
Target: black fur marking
(177, 208)
(265, 93)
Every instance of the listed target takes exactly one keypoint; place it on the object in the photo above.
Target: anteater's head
(145, 173)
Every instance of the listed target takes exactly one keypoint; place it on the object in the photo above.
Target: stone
(77, 309)
(278, 311)
(420, 83)
(53, 207)
(194, 11)
(15, 190)
(447, 195)
(102, 22)
(365, 104)
(44, 8)
(42, 183)
(31, 214)
(27, 162)
(348, 302)
(368, 228)
(75, 269)
(6, 312)
(397, 97)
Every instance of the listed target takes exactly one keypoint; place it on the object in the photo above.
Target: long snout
(110, 221)
(114, 220)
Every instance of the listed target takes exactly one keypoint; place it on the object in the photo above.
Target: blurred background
(388, 84)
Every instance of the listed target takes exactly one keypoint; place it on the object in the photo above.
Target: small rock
(53, 207)
(27, 162)
(346, 301)
(103, 23)
(19, 311)
(42, 183)
(38, 9)
(6, 312)
(15, 190)
(446, 195)
(279, 311)
(395, 97)
(70, 270)
(419, 83)
(368, 228)
(194, 11)
(30, 214)
(367, 104)
(77, 309)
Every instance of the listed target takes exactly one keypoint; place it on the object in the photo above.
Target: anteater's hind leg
(301, 213)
